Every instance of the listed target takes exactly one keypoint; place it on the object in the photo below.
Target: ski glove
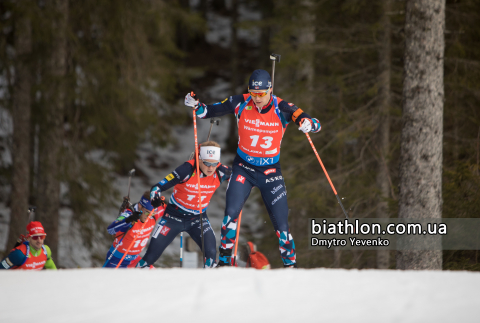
(190, 100)
(305, 125)
(134, 217)
(316, 125)
(156, 196)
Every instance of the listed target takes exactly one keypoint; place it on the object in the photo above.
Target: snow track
(239, 295)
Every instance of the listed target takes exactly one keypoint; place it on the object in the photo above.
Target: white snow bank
(239, 295)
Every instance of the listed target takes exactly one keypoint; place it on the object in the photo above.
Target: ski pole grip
(275, 57)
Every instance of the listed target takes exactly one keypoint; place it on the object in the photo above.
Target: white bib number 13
(266, 144)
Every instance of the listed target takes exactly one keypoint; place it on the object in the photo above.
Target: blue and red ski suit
(257, 164)
(125, 233)
(182, 214)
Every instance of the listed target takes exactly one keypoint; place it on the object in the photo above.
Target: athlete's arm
(120, 224)
(181, 174)
(219, 109)
(225, 172)
(293, 113)
(14, 259)
(49, 264)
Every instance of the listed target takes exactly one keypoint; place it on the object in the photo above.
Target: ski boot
(225, 257)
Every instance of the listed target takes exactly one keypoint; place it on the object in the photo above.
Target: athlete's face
(261, 101)
(36, 241)
(208, 170)
(145, 213)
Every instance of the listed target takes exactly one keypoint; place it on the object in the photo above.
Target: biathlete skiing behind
(126, 227)
(262, 119)
(30, 253)
(182, 213)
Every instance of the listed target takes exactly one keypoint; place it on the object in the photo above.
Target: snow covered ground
(239, 295)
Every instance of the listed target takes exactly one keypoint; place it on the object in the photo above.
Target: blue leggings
(115, 259)
(274, 194)
(171, 225)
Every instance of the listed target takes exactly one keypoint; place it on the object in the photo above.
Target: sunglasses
(259, 94)
(210, 164)
(39, 237)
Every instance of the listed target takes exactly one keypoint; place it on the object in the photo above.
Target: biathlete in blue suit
(182, 213)
(132, 231)
(262, 119)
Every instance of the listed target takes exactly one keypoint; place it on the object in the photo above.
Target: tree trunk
(383, 130)
(306, 41)
(21, 131)
(51, 129)
(232, 139)
(422, 132)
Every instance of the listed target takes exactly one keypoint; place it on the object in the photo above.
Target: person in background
(126, 227)
(182, 213)
(31, 253)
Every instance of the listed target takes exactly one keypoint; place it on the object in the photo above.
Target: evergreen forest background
(84, 81)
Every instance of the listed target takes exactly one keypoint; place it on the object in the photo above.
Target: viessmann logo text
(258, 123)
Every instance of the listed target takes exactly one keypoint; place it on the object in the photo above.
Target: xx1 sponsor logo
(241, 179)
(250, 159)
(273, 179)
(266, 161)
(269, 171)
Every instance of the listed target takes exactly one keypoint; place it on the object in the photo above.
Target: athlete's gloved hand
(305, 125)
(156, 196)
(316, 125)
(134, 217)
(190, 100)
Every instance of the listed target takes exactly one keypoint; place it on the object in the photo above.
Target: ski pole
(212, 122)
(236, 240)
(31, 213)
(274, 58)
(181, 249)
(130, 173)
(127, 198)
(326, 174)
(199, 190)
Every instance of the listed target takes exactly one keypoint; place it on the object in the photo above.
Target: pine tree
(21, 115)
(422, 131)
